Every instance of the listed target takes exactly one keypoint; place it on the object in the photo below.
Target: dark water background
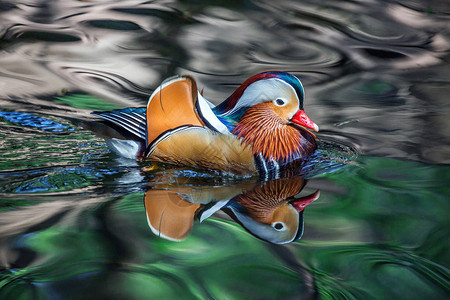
(72, 217)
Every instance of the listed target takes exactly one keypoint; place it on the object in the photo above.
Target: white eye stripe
(262, 91)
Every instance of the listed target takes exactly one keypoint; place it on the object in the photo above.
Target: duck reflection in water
(268, 210)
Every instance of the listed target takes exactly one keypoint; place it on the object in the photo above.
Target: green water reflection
(377, 231)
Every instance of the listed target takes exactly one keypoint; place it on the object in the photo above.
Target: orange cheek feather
(266, 132)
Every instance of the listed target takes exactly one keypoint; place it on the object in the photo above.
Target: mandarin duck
(261, 127)
(267, 210)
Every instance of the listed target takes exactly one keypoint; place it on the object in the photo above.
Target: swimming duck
(261, 127)
(267, 210)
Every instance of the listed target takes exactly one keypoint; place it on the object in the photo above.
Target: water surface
(73, 218)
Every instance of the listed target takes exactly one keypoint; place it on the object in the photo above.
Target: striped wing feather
(130, 120)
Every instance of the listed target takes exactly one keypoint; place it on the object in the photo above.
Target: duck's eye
(278, 226)
(280, 102)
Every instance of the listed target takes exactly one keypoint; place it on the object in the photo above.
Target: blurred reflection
(268, 210)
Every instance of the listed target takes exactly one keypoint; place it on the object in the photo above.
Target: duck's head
(267, 113)
(270, 212)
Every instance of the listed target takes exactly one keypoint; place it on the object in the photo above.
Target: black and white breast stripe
(269, 169)
(205, 112)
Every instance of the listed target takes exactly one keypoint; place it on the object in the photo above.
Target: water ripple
(25, 119)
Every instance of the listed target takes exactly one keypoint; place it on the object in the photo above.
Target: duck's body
(254, 130)
(269, 210)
